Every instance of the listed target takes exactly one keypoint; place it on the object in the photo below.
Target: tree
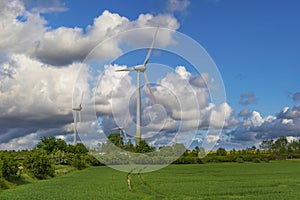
(52, 144)
(179, 149)
(47, 143)
(80, 149)
(294, 145)
(266, 144)
(116, 139)
(39, 164)
(9, 166)
(281, 144)
(143, 147)
(221, 152)
(129, 146)
(78, 162)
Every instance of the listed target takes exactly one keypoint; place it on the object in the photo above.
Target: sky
(254, 45)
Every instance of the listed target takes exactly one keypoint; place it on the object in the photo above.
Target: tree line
(268, 150)
(279, 149)
(42, 161)
(50, 153)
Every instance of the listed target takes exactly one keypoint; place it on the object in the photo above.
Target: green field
(275, 180)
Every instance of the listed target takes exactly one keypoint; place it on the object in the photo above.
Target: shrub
(256, 160)
(39, 164)
(240, 160)
(78, 162)
(9, 166)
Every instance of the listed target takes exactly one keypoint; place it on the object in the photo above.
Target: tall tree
(116, 139)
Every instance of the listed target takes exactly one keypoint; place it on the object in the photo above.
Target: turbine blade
(126, 138)
(81, 98)
(126, 69)
(75, 119)
(79, 115)
(76, 131)
(151, 47)
(149, 87)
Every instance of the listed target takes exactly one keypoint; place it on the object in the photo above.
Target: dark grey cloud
(198, 81)
(244, 113)
(296, 96)
(289, 113)
(255, 128)
(247, 99)
(16, 127)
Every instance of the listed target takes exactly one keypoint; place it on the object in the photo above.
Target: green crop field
(274, 180)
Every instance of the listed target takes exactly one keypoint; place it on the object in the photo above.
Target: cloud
(39, 67)
(65, 45)
(27, 32)
(20, 28)
(177, 5)
(182, 107)
(35, 96)
(41, 6)
(296, 96)
(244, 113)
(256, 128)
(247, 99)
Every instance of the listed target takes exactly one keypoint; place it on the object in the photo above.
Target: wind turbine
(122, 132)
(141, 69)
(77, 112)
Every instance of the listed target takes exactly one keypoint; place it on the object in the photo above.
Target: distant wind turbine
(122, 132)
(141, 68)
(75, 113)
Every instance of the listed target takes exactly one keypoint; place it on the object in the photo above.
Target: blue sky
(255, 45)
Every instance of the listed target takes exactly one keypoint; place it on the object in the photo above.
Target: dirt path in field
(129, 180)
(148, 187)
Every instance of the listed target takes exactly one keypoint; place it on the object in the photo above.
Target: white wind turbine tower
(139, 69)
(75, 113)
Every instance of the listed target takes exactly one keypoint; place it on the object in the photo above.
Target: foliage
(221, 152)
(116, 139)
(144, 147)
(78, 162)
(9, 166)
(40, 164)
(51, 144)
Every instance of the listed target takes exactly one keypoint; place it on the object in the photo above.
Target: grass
(274, 180)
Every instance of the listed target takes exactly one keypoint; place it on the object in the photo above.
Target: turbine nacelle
(79, 108)
(139, 68)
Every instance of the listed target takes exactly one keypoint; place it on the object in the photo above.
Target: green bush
(256, 160)
(9, 166)
(40, 164)
(78, 162)
(240, 160)
(91, 160)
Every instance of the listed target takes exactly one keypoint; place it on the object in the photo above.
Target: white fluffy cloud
(26, 32)
(181, 107)
(36, 90)
(36, 94)
(35, 97)
(256, 128)
(39, 70)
